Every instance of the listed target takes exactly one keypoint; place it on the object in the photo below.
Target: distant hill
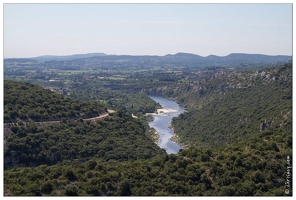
(239, 61)
(260, 58)
(69, 57)
(184, 55)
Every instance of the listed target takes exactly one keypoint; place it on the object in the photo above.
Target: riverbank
(155, 136)
(162, 111)
(165, 110)
(176, 139)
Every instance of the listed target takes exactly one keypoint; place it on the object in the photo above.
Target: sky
(146, 29)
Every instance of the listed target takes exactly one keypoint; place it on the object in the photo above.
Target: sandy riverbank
(162, 111)
(165, 110)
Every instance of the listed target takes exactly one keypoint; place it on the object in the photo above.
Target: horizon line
(143, 55)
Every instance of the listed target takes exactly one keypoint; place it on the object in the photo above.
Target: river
(162, 122)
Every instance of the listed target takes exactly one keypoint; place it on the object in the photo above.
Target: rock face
(7, 132)
(265, 124)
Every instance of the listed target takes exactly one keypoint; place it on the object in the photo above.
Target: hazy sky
(147, 29)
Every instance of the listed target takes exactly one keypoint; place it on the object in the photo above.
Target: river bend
(162, 122)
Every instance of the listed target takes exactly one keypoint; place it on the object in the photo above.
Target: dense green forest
(26, 101)
(235, 115)
(117, 136)
(127, 101)
(256, 167)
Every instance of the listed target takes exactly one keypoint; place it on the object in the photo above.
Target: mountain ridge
(67, 57)
(179, 54)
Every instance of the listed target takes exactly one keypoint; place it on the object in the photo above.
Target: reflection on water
(162, 122)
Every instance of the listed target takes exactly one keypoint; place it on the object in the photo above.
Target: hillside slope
(249, 103)
(29, 102)
(117, 136)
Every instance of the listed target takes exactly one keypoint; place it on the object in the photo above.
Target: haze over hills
(232, 56)
(240, 61)
(69, 57)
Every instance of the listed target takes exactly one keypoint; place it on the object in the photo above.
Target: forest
(117, 136)
(25, 101)
(127, 101)
(238, 128)
(256, 167)
(263, 102)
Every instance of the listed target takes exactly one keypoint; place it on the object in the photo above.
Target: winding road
(44, 123)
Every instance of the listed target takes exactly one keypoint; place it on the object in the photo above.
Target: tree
(70, 174)
(91, 164)
(124, 188)
(46, 187)
(71, 191)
